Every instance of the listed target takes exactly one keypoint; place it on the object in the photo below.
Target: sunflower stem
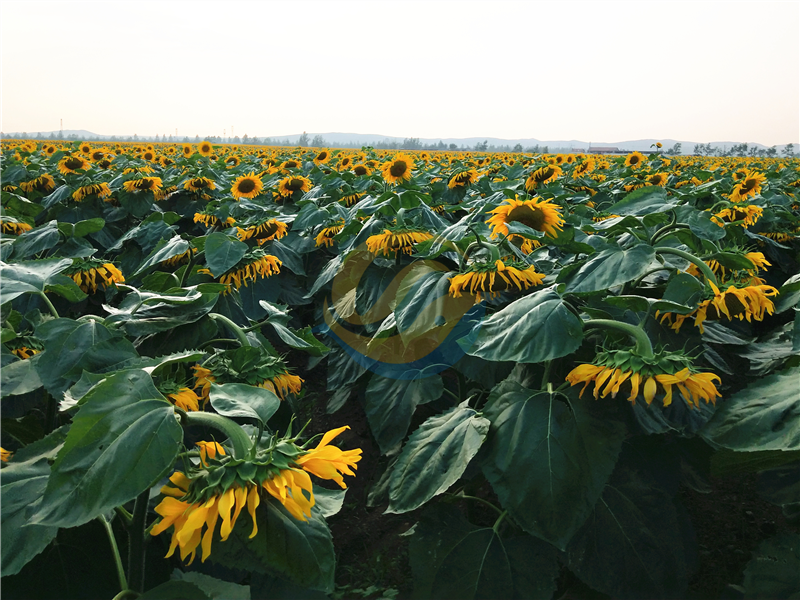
(123, 582)
(237, 331)
(704, 268)
(136, 547)
(665, 231)
(643, 346)
(464, 496)
(239, 440)
(49, 305)
(192, 260)
(126, 595)
(546, 374)
(496, 526)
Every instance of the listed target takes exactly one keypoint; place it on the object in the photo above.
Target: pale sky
(600, 71)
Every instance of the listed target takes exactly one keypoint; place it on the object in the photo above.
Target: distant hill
(334, 139)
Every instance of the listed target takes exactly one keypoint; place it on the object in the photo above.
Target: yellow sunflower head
(538, 214)
(362, 170)
(204, 148)
(85, 148)
(398, 169)
(634, 160)
(322, 157)
(73, 164)
(247, 186)
(491, 278)
(293, 183)
(659, 179)
(463, 178)
(542, 176)
(391, 242)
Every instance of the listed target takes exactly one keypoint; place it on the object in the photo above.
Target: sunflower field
(547, 356)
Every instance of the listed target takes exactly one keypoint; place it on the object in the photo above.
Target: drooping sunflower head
(617, 371)
(463, 178)
(199, 184)
(73, 164)
(44, 183)
(293, 183)
(398, 169)
(542, 176)
(101, 190)
(12, 226)
(255, 264)
(538, 214)
(482, 278)
(325, 236)
(247, 186)
(92, 273)
(584, 167)
(351, 198)
(748, 215)
(143, 184)
(393, 241)
(634, 160)
(263, 231)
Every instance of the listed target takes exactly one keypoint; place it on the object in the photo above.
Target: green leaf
(702, 226)
(725, 463)
(70, 347)
(763, 416)
(286, 254)
(684, 289)
(548, 460)
(62, 192)
(390, 403)
(23, 483)
(37, 240)
(532, 329)
(20, 377)
(124, 438)
(296, 550)
(223, 252)
(29, 277)
(476, 568)
(164, 250)
(610, 268)
(435, 456)
(774, 570)
(781, 485)
(630, 546)
(644, 201)
(176, 590)
(242, 400)
(217, 589)
(142, 313)
(788, 294)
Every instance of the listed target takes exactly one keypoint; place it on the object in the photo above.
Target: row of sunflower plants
(561, 341)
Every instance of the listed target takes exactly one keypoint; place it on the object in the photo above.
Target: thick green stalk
(49, 305)
(136, 547)
(123, 582)
(643, 346)
(239, 440)
(704, 268)
(237, 331)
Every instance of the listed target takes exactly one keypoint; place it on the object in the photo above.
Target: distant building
(604, 150)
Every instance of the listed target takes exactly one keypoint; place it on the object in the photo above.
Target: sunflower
(282, 384)
(73, 164)
(758, 260)
(351, 199)
(101, 190)
(198, 184)
(536, 213)
(583, 168)
(50, 149)
(322, 157)
(44, 183)
(749, 185)
(397, 241)
(625, 370)
(232, 162)
(491, 278)
(5, 455)
(210, 220)
(182, 397)
(463, 178)
(85, 148)
(749, 303)
(149, 155)
(293, 183)
(344, 163)
(178, 259)
(330, 462)
(143, 184)
(398, 169)
(291, 164)
(270, 229)
(204, 148)
(748, 214)
(255, 264)
(247, 186)
(209, 450)
(87, 272)
(325, 237)
(542, 176)
(186, 150)
(659, 179)
(361, 170)
(634, 160)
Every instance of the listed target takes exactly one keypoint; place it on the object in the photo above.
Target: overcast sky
(600, 71)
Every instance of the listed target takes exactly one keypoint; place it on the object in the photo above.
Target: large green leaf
(223, 252)
(774, 570)
(610, 268)
(20, 377)
(435, 456)
(124, 438)
(29, 277)
(789, 294)
(71, 347)
(299, 551)
(763, 416)
(644, 201)
(142, 313)
(164, 250)
(630, 546)
(23, 483)
(390, 403)
(532, 329)
(37, 240)
(548, 459)
(242, 400)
